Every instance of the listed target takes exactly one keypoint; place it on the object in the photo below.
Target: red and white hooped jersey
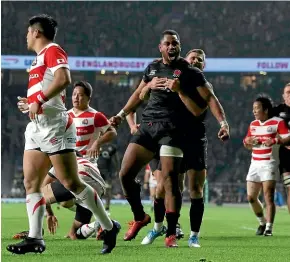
(264, 130)
(41, 74)
(89, 125)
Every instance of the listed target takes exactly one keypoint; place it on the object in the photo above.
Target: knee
(31, 184)
(251, 199)
(196, 191)
(72, 185)
(269, 197)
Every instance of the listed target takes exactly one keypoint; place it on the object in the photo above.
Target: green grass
(227, 234)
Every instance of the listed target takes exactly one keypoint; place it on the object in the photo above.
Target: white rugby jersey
(89, 125)
(265, 130)
(41, 74)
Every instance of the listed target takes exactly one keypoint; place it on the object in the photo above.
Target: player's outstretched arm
(207, 93)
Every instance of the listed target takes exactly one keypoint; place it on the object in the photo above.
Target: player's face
(169, 47)
(79, 99)
(30, 37)
(286, 95)
(258, 112)
(196, 60)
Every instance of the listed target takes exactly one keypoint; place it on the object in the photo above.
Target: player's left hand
(224, 133)
(52, 224)
(173, 84)
(93, 152)
(34, 108)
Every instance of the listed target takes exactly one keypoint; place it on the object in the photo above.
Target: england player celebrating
(261, 139)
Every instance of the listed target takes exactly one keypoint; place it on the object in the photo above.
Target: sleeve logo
(60, 61)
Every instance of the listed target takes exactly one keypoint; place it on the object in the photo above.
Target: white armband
(122, 114)
(224, 123)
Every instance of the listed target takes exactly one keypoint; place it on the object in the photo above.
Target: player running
(50, 137)
(283, 111)
(263, 135)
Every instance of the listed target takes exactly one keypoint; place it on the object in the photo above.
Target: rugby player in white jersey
(50, 137)
(264, 133)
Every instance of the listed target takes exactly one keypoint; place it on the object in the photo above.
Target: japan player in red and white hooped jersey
(264, 134)
(92, 127)
(50, 137)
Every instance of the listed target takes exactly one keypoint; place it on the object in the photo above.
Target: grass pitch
(227, 234)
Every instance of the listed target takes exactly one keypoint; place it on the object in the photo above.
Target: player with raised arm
(194, 161)
(50, 137)
(161, 127)
(283, 111)
(264, 133)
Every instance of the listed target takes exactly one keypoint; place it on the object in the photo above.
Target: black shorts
(152, 135)
(195, 154)
(284, 156)
(60, 192)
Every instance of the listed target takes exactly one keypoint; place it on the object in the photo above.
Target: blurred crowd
(132, 29)
(227, 162)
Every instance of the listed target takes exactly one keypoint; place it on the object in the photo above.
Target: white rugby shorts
(51, 134)
(260, 172)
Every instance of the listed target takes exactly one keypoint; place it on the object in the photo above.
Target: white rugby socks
(92, 201)
(35, 206)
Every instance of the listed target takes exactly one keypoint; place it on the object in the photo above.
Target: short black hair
(266, 102)
(169, 32)
(47, 25)
(86, 86)
(198, 51)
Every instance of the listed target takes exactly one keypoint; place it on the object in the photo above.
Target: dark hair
(198, 51)
(46, 24)
(266, 102)
(169, 32)
(86, 86)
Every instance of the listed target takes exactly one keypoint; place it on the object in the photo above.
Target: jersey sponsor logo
(85, 121)
(71, 140)
(269, 129)
(176, 73)
(60, 61)
(32, 76)
(152, 72)
(53, 140)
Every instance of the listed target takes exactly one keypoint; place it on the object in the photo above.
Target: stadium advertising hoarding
(139, 64)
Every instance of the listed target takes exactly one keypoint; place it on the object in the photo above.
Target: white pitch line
(249, 228)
